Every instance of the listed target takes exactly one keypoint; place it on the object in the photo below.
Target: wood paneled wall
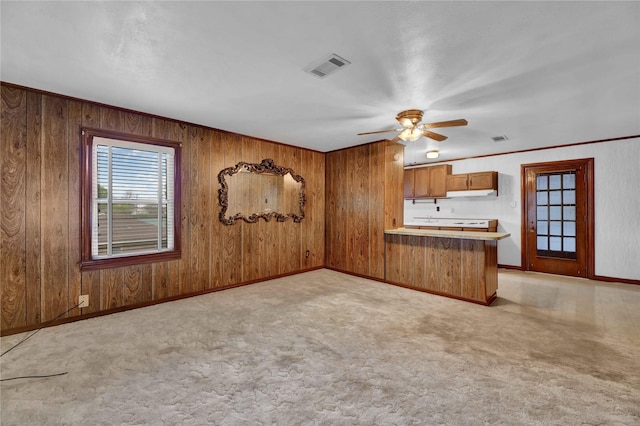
(40, 213)
(364, 196)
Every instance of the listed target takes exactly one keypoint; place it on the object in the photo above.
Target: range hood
(472, 193)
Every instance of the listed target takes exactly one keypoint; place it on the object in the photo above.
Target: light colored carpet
(323, 348)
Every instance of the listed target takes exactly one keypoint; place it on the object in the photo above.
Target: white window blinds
(132, 198)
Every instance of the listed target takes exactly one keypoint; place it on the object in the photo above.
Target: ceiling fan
(412, 129)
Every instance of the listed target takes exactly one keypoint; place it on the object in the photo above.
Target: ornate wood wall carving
(266, 166)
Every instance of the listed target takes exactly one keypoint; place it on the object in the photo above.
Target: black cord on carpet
(40, 328)
(29, 336)
(34, 377)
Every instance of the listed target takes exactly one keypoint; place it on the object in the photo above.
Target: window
(130, 199)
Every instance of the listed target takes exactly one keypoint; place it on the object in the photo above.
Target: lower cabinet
(460, 268)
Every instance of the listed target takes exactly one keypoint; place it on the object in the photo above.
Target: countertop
(463, 235)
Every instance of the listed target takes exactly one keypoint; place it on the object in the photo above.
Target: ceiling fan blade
(451, 123)
(435, 136)
(380, 131)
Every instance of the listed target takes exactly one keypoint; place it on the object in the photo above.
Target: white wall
(617, 202)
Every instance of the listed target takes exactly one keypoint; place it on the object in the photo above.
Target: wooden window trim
(86, 261)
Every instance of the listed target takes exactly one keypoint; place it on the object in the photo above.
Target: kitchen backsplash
(447, 208)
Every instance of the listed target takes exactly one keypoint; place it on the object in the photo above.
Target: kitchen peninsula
(458, 264)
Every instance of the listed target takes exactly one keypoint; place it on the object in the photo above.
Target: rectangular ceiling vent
(500, 138)
(327, 66)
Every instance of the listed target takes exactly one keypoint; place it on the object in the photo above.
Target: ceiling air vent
(500, 138)
(327, 66)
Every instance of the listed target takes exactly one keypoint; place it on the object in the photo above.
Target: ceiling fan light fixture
(412, 130)
(409, 118)
(433, 154)
(410, 134)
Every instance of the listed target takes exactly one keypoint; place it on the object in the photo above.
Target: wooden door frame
(590, 212)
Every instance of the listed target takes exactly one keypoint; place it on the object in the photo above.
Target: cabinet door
(408, 183)
(438, 180)
(457, 182)
(422, 182)
(483, 180)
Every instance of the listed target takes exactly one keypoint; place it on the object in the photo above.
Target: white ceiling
(541, 73)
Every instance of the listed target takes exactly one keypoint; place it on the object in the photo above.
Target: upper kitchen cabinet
(409, 178)
(472, 181)
(458, 182)
(426, 182)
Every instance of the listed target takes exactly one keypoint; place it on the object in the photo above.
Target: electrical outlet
(307, 254)
(83, 300)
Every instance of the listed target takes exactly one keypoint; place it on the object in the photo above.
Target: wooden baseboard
(512, 267)
(212, 290)
(479, 302)
(150, 303)
(615, 280)
(450, 296)
(594, 277)
(355, 274)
